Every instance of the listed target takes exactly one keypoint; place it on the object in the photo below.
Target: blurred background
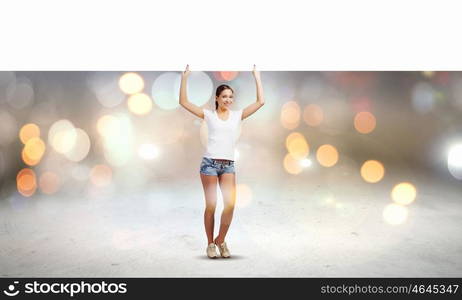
(352, 146)
(68, 131)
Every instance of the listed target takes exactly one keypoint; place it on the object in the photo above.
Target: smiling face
(225, 99)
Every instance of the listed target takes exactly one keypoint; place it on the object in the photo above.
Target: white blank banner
(231, 35)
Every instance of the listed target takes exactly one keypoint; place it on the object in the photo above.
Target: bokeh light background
(334, 141)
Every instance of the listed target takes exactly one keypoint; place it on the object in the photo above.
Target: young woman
(218, 160)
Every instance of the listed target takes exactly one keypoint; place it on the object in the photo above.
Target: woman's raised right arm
(191, 107)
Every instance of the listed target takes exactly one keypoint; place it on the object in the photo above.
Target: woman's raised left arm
(249, 110)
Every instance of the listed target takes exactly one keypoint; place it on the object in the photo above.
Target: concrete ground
(324, 224)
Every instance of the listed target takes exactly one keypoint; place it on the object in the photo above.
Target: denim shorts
(210, 166)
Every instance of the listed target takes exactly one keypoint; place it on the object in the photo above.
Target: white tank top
(222, 135)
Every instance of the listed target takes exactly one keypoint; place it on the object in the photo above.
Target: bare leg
(209, 183)
(228, 188)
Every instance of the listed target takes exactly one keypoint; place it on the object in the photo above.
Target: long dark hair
(220, 89)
